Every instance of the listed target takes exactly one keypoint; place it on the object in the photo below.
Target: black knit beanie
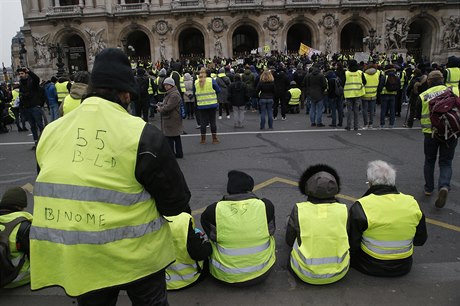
(112, 70)
(14, 197)
(239, 182)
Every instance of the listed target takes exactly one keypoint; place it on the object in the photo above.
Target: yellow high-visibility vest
(205, 96)
(184, 271)
(392, 221)
(24, 273)
(244, 249)
(323, 256)
(89, 209)
(354, 87)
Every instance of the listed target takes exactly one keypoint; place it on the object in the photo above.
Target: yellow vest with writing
(425, 97)
(323, 256)
(244, 249)
(392, 220)
(90, 212)
(16, 256)
(184, 271)
(354, 87)
(372, 82)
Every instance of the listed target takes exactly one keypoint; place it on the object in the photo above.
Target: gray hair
(381, 173)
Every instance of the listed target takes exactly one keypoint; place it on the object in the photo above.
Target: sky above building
(11, 20)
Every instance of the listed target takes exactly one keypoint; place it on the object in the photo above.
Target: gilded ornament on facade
(162, 27)
(217, 25)
(329, 21)
(273, 23)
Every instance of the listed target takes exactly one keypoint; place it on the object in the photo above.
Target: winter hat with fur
(320, 181)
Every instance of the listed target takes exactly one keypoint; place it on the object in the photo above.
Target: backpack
(393, 83)
(338, 87)
(8, 272)
(445, 115)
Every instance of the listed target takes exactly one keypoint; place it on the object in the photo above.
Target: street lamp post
(5, 73)
(22, 52)
(57, 51)
(372, 41)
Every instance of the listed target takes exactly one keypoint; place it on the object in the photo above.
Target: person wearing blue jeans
(446, 150)
(353, 108)
(368, 112)
(316, 113)
(34, 116)
(266, 109)
(336, 111)
(387, 102)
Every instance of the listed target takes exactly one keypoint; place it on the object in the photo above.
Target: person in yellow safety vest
(205, 91)
(101, 194)
(432, 144)
(399, 95)
(192, 250)
(160, 93)
(241, 228)
(373, 83)
(62, 89)
(317, 229)
(353, 90)
(384, 225)
(20, 119)
(294, 94)
(12, 206)
(151, 92)
(452, 72)
(77, 91)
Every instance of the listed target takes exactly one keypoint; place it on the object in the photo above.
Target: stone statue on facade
(162, 49)
(451, 32)
(396, 32)
(96, 43)
(218, 46)
(41, 50)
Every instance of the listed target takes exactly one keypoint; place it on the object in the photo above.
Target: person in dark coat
(141, 104)
(171, 120)
(315, 85)
(281, 89)
(238, 96)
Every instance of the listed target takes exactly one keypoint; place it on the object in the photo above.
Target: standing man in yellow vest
(432, 144)
(106, 179)
(77, 92)
(62, 89)
(452, 72)
(353, 90)
(372, 76)
(241, 228)
(317, 229)
(384, 225)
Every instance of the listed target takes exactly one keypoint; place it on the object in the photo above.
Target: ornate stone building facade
(76, 30)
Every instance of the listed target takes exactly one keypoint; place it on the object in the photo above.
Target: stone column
(81, 3)
(55, 4)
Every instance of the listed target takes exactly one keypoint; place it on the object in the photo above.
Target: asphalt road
(276, 160)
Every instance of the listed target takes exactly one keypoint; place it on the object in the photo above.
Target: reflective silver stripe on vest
(320, 260)
(428, 126)
(225, 269)
(177, 277)
(313, 275)
(181, 266)
(15, 261)
(243, 251)
(95, 237)
(89, 194)
(399, 246)
(425, 116)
